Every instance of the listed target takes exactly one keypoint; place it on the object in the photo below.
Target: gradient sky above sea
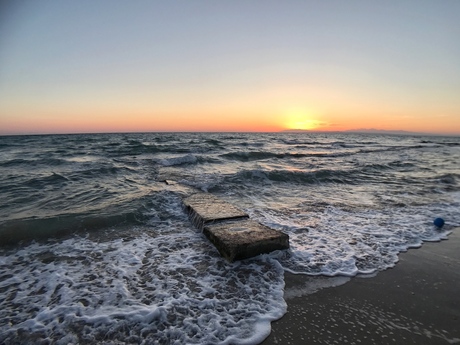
(121, 66)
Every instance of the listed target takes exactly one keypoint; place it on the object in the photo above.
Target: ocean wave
(153, 209)
(301, 141)
(451, 144)
(143, 145)
(187, 159)
(391, 148)
(351, 175)
(16, 230)
(214, 142)
(14, 162)
(46, 162)
(99, 170)
(440, 142)
(289, 176)
(41, 182)
(449, 178)
(134, 149)
(247, 156)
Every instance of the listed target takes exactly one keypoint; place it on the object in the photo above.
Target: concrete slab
(242, 239)
(231, 231)
(206, 208)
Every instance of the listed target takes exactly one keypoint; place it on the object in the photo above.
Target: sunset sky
(122, 66)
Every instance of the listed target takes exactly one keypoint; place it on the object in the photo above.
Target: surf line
(234, 235)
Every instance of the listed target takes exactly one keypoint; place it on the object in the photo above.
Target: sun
(301, 119)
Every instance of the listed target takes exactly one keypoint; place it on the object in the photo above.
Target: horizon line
(287, 131)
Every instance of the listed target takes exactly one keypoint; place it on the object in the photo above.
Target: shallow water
(115, 258)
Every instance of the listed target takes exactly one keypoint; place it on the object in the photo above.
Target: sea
(96, 247)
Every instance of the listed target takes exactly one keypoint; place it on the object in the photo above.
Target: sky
(137, 66)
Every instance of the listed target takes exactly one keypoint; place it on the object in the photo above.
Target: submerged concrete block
(231, 231)
(237, 240)
(206, 208)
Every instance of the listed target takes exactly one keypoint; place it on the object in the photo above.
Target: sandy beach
(416, 302)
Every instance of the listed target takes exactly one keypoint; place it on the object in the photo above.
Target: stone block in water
(237, 240)
(231, 231)
(206, 208)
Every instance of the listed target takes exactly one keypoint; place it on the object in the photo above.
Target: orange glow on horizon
(271, 117)
(165, 121)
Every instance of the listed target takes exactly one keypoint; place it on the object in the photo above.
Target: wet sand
(416, 302)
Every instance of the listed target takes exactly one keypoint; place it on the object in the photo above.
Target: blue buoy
(439, 222)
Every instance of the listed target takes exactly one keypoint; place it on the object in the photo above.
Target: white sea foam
(314, 284)
(342, 242)
(173, 288)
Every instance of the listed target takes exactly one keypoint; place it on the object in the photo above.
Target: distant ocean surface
(97, 249)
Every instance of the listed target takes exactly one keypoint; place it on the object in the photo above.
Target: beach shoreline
(416, 302)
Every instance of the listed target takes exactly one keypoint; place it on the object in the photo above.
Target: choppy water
(116, 259)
